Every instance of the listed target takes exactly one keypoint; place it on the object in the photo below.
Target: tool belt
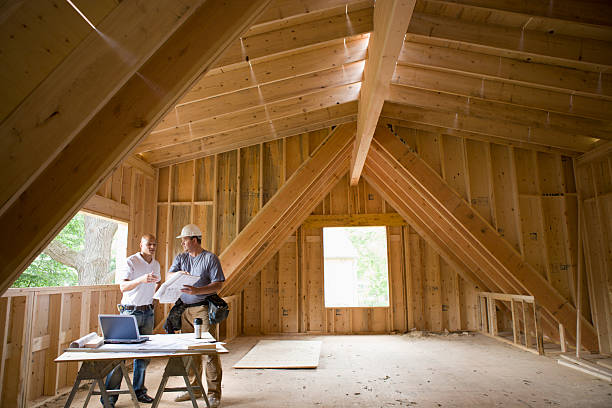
(133, 308)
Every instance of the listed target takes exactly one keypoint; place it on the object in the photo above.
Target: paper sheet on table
(170, 290)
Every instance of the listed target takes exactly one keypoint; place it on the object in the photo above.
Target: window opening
(86, 252)
(355, 267)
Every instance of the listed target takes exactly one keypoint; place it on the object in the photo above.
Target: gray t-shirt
(206, 265)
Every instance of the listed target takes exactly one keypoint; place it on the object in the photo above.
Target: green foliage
(372, 270)
(45, 271)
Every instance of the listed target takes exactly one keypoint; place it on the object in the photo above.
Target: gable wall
(528, 196)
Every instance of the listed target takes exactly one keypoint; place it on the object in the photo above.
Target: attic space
(475, 135)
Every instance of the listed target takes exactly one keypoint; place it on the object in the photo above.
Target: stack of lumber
(597, 365)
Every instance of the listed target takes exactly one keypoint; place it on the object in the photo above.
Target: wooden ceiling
(534, 74)
(173, 81)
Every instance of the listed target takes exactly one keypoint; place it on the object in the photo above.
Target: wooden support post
(526, 325)
(562, 338)
(5, 314)
(484, 325)
(492, 316)
(51, 369)
(515, 322)
(579, 278)
(538, 329)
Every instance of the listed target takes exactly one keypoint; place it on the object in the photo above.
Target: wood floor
(400, 371)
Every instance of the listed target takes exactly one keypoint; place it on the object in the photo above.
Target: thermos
(197, 327)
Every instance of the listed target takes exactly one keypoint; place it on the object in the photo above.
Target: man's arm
(127, 285)
(212, 287)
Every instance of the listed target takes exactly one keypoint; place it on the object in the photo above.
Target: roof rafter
(66, 100)
(287, 209)
(493, 89)
(412, 177)
(531, 45)
(554, 123)
(488, 126)
(391, 19)
(265, 131)
(108, 136)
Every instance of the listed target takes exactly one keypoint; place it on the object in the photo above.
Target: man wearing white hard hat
(199, 262)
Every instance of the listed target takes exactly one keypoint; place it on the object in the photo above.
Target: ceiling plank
(308, 60)
(259, 133)
(588, 11)
(435, 131)
(486, 245)
(297, 33)
(286, 211)
(391, 19)
(488, 126)
(61, 189)
(534, 118)
(284, 9)
(567, 51)
(79, 87)
(481, 65)
(514, 15)
(501, 91)
(270, 94)
(265, 114)
(36, 36)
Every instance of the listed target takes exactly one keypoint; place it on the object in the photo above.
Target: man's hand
(190, 290)
(148, 278)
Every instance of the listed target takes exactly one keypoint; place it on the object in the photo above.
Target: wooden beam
(61, 189)
(106, 207)
(481, 65)
(541, 47)
(487, 126)
(286, 210)
(250, 106)
(497, 90)
(258, 133)
(354, 220)
(280, 10)
(441, 130)
(79, 87)
(288, 65)
(391, 19)
(552, 124)
(305, 30)
(487, 247)
(588, 11)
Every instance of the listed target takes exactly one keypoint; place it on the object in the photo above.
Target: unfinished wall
(594, 179)
(128, 195)
(37, 324)
(529, 196)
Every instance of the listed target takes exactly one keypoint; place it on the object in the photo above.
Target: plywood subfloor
(282, 354)
(387, 371)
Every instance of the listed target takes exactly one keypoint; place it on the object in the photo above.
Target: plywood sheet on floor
(282, 354)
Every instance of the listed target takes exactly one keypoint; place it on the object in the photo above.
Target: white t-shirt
(135, 266)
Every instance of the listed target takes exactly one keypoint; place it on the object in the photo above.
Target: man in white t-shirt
(138, 281)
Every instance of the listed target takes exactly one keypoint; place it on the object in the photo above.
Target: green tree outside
(372, 269)
(45, 271)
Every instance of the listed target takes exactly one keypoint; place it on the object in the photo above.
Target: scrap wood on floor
(282, 354)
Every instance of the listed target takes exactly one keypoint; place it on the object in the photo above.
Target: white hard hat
(190, 230)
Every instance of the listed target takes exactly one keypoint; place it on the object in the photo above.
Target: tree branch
(63, 254)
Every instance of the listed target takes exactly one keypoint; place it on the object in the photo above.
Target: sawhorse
(97, 371)
(179, 367)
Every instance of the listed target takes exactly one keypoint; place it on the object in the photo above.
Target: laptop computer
(120, 329)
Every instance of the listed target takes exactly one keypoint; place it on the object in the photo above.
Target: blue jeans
(145, 320)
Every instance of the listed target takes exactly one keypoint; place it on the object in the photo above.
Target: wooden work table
(177, 348)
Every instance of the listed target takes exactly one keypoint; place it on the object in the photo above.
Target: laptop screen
(118, 327)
